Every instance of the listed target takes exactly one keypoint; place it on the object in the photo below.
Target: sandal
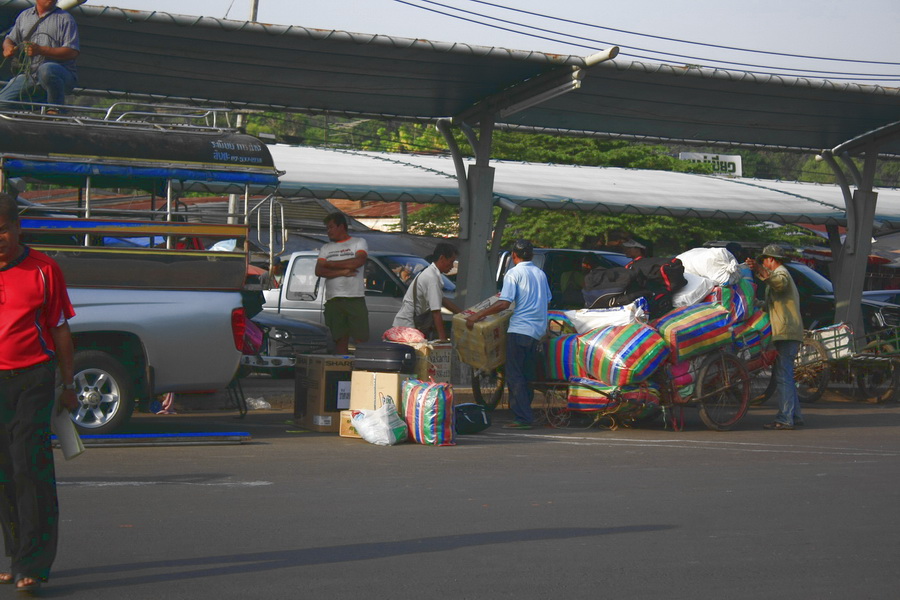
(7, 578)
(24, 583)
(778, 425)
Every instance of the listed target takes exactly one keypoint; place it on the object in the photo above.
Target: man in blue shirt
(524, 286)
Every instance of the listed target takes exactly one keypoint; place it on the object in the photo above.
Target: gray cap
(632, 243)
(774, 251)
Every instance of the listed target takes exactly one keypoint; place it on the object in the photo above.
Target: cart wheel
(878, 379)
(723, 391)
(555, 410)
(487, 387)
(762, 384)
(811, 371)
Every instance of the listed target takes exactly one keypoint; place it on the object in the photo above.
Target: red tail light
(238, 325)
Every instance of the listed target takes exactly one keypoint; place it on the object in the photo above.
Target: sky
(864, 30)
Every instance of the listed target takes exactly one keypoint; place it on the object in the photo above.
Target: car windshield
(810, 281)
(407, 267)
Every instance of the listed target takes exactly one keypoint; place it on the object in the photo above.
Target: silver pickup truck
(302, 294)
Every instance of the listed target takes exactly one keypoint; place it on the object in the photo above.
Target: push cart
(719, 389)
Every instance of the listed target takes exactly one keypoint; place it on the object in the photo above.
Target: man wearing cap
(634, 250)
(527, 287)
(783, 305)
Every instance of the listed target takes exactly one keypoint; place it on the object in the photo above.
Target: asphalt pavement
(546, 513)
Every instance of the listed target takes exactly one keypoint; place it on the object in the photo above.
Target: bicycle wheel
(723, 391)
(487, 387)
(877, 379)
(811, 371)
(762, 384)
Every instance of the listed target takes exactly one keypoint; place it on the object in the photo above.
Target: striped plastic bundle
(562, 358)
(622, 354)
(737, 298)
(428, 412)
(754, 334)
(694, 330)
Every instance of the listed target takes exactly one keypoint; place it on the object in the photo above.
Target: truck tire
(105, 392)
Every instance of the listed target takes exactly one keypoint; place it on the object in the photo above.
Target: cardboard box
(483, 346)
(433, 360)
(368, 388)
(321, 390)
(347, 429)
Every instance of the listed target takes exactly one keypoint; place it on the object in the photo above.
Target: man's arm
(493, 309)
(65, 356)
(9, 47)
(58, 54)
(341, 268)
(450, 305)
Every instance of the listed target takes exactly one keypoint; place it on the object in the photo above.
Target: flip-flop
(6, 578)
(28, 587)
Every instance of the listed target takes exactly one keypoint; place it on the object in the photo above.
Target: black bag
(385, 356)
(471, 418)
(605, 288)
(658, 275)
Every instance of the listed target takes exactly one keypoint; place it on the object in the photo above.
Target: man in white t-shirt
(425, 296)
(342, 263)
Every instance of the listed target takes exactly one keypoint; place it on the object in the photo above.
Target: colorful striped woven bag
(694, 330)
(428, 412)
(622, 354)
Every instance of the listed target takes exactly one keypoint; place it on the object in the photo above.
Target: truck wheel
(105, 393)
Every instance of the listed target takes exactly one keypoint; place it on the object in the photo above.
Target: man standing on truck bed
(342, 263)
(34, 313)
(47, 38)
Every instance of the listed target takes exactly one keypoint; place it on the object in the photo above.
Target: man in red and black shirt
(35, 340)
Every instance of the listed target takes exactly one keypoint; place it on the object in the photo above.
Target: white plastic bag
(717, 264)
(382, 426)
(697, 288)
(586, 319)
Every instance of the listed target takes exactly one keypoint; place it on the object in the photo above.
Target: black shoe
(778, 425)
(799, 422)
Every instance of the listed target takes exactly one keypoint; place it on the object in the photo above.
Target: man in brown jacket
(783, 305)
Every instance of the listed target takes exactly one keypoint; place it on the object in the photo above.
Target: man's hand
(471, 320)
(69, 400)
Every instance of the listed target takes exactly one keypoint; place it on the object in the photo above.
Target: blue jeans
(521, 368)
(53, 83)
(785, 386)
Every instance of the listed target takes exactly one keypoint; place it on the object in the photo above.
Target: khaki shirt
(783, 302)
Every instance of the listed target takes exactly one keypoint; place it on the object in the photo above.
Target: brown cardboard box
(483, 346)
(321, 390)
(433, 360)
(347, 429)
(368, 387)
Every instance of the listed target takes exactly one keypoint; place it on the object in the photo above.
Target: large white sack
(586, 319)
(697, 288)
(717, 264)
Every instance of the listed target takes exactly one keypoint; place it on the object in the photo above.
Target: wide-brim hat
(774, 251)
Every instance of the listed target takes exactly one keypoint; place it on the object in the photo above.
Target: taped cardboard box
(433, 361)
(347, 429)
(321, 390)
(483, 346)
(369, 388)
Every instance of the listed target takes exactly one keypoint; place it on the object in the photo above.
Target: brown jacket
(783, 302)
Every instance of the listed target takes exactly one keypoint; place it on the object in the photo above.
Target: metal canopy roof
(356, 175)
(257, 65)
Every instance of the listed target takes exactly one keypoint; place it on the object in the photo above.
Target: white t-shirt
(429, 296)
(345, 287)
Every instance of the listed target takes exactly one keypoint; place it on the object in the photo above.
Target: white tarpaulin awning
(357, 175)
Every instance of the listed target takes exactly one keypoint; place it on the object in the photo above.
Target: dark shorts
(347, 317)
